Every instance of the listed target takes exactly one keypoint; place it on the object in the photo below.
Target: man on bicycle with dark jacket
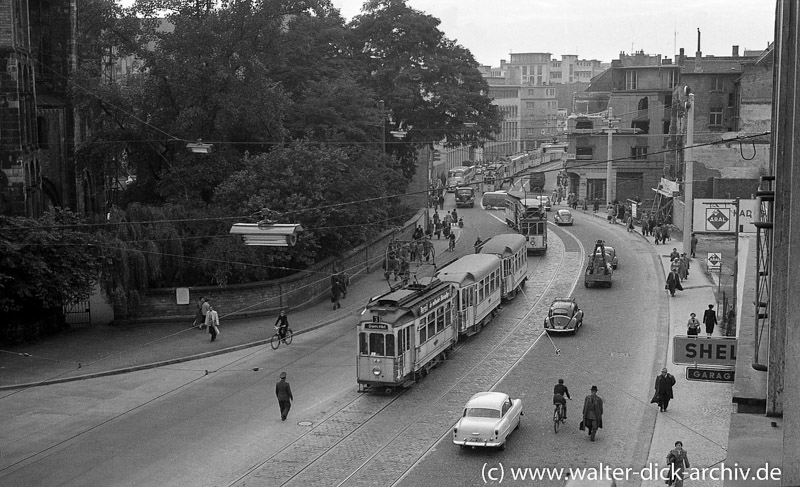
(559, 391)
(283, 320)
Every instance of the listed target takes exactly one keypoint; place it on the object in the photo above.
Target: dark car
(563, 217)
(564, 316)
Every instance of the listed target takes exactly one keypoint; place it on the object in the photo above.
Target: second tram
(512, 250)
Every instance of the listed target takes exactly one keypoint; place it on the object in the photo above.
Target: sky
(596, 29)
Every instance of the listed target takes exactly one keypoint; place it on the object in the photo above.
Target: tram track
(378, 411)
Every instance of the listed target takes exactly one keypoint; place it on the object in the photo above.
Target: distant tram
(528, 217)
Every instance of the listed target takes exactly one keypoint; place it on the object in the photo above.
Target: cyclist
(559, 391)
(282, 324)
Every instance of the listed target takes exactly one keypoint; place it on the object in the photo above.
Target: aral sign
(719, 216)
(717, 351)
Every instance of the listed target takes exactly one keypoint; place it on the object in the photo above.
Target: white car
(488, 420)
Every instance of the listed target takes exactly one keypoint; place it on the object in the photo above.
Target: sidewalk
(97, 351)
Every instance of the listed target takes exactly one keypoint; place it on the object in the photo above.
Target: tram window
(431, 325)
(390, 346)
(448, 314)
(408, 338)
(439, 320)
(423, 335)
(363, 345)
(376, 344)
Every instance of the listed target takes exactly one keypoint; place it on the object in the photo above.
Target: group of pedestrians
(339, 283)
(207, 318)
(709, 319)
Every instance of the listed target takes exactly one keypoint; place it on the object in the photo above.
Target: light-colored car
(488, 420)
(611, 256)
(563, 217)
(564, 316)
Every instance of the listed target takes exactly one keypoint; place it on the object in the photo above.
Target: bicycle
(275, 342)
(558, 417)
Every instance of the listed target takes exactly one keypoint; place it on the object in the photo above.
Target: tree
(339, 195)
(46, 264)
(431, 85)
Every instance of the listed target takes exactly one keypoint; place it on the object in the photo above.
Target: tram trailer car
(512, 249)
(476, 278)
(405, 333)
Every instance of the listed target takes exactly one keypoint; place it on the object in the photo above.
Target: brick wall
(265, 298)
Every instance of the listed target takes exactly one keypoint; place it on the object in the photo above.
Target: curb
(162, 363)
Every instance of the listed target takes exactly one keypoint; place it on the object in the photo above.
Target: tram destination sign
(717, 351)
(709, 375)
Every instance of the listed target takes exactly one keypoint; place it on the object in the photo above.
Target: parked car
(564, 316)
(488, 420)
(563, 217)
(611, 256)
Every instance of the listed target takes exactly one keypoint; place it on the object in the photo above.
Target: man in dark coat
(710, 319)
(284, 393)
(673, 283)
(664, 383)
(593, 413)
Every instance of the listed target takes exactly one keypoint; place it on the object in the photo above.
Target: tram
(405, 333)
(533, 226)
(512, 250)
(476, 280)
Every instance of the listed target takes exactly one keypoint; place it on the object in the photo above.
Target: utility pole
(610, 130)
(381, 106)
(688, 196)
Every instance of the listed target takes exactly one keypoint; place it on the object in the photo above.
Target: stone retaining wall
(264, 298)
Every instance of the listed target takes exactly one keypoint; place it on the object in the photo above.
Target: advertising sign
(714, 261)
(718, 351)
(719, 215)
(709, 375)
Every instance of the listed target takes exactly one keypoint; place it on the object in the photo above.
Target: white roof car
(488, 420)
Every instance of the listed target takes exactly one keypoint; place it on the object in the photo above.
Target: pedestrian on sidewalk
(674, 254)
(611, 213)
(673, 283)
(592, 413)
(200, 316)
(596, 205)
(693, 245)
(630, 223)
(438, 230)
(664, 383)
(284, 393)
(693, 325)
(454, 215)
(710, 319)
(336, 294)
(677, 460)
(683, 267)
(212, 322)
(656, 231)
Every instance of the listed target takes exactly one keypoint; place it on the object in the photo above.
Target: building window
(530, 105)
(666, 126)
(668, 101)
(672, 78)
(539, 69)
(584, 153)
(718, 84)
(731, 99)
(630, 80)
(642, 125)
(639, 153)
(642, 104)
(715, 116)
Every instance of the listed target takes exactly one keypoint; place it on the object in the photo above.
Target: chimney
(681, 57)
(735, 51)
(698, 68)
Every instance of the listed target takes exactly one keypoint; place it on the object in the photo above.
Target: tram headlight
(376, 371)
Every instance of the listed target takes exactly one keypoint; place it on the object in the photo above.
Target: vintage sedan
(563, 217)
(564, 316)
(488, 420)
(611, 256)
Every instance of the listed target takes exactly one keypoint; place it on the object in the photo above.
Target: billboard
(719, 216)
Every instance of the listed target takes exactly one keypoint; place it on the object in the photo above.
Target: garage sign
(709, 375)
(718, 351)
